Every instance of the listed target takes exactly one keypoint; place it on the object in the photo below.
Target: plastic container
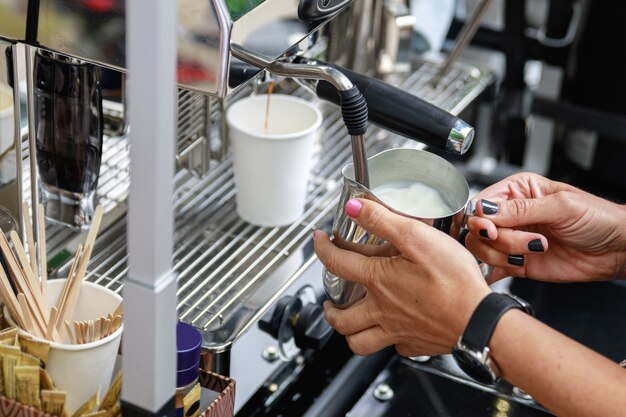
(272, 167)
(188, 348)
(69, 137)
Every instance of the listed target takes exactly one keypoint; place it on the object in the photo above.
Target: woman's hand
(419, 298)
(530, 226)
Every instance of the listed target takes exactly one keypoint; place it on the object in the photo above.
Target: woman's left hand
(419, 299)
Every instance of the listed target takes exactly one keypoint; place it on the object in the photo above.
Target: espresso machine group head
(205, 31)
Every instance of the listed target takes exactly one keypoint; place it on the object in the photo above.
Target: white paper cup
(272, 168)
(81, 369)
(7, 127)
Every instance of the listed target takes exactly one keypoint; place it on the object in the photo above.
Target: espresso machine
(171, 242)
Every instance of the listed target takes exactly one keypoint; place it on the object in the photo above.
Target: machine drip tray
(593, 313)
(409, 389)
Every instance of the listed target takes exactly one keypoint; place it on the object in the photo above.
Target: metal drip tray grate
(230, 271)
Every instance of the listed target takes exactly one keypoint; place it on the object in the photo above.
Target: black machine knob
(312, 330)
(271, 320)
(303, 322)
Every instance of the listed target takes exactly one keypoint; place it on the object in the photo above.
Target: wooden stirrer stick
(62, 302)
(96, 329)
(70, 335)
(6, 291)
(83, 329)
(31, 280)
(105, 328)
(51, 323)
(74, 289)
(90, 331)
(21, 282)
(78, 332)
(93, 228)
(28, 322)
(115, 324)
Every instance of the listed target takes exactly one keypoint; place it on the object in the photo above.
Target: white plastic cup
(7, 127)
(81, 369)
(272, 168)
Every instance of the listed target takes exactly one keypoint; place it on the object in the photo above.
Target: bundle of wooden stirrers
(92, 330)
(30, 308)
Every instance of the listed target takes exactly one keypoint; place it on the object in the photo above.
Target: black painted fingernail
(489, 207)
(536, 246)
(484, 233)
(517, 260)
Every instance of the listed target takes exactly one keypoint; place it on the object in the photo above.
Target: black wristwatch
(471, 352)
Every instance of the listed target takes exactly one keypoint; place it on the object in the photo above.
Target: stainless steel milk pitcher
(394, 166)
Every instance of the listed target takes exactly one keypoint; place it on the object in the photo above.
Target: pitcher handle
(470, 210)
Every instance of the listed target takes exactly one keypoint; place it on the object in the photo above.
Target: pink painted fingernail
(353, 208)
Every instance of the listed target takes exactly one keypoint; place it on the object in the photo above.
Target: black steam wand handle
(404, 113)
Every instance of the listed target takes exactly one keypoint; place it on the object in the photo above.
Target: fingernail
(517, 260)
(489, 207)
(484, 233)
(353, 208)
(536, 246)
(316, 234)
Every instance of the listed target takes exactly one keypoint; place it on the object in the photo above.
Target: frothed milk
(415, 199)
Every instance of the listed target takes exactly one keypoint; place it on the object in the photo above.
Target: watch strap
(485, 318)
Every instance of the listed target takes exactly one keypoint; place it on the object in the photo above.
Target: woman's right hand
(530, 226)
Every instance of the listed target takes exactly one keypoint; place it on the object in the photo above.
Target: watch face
(473, 367)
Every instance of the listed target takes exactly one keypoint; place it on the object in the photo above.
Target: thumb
(521, 212)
